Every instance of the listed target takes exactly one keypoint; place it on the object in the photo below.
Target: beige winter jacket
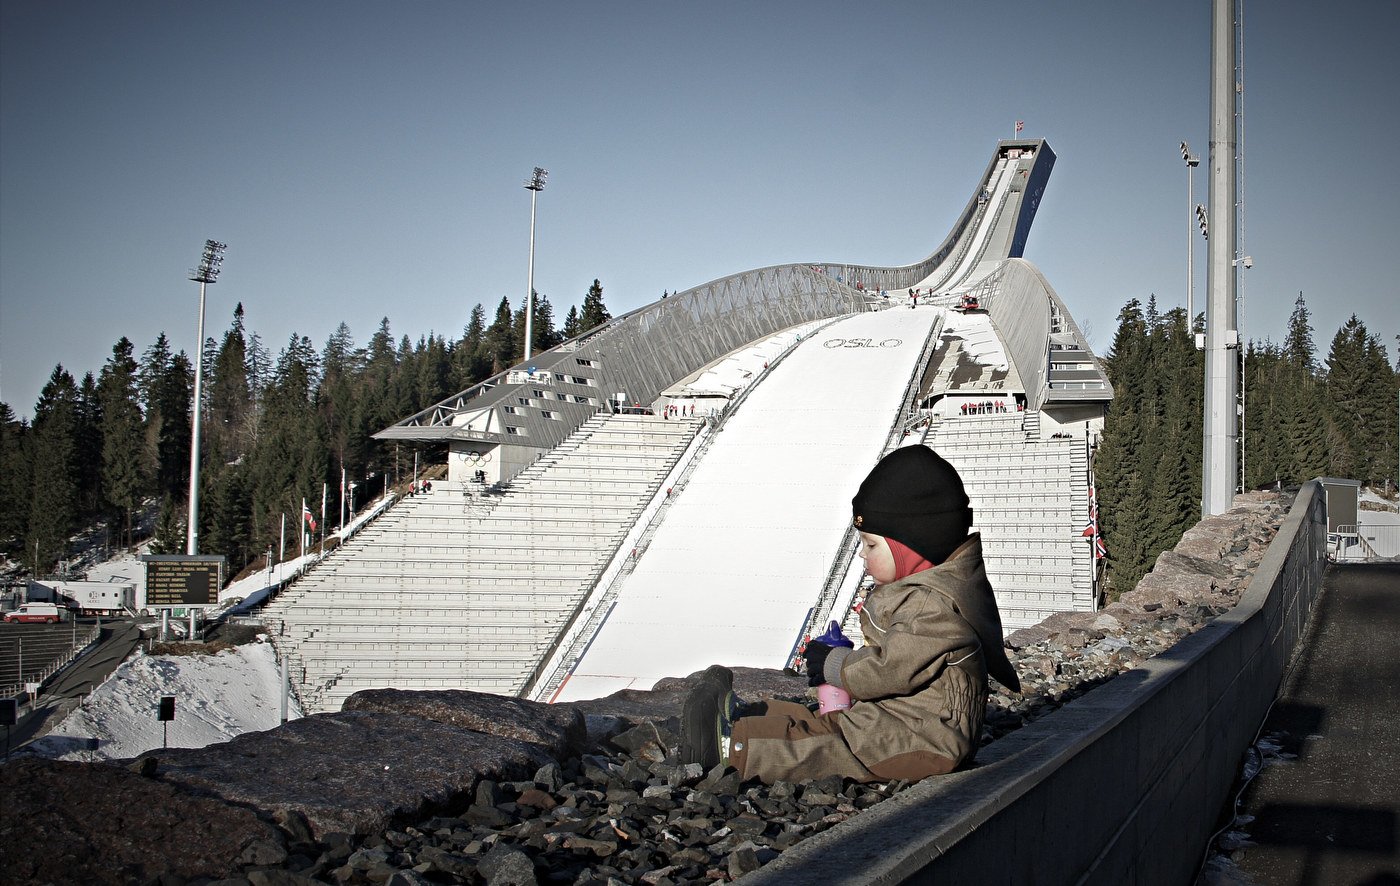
(920, 681)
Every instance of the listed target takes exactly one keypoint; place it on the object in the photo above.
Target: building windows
(510, 409)
(515, 432)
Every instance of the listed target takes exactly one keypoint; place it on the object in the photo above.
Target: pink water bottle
(833, 698)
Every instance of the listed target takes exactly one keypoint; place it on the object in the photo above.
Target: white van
(46, 613)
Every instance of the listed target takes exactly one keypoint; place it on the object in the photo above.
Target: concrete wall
(1122, 786)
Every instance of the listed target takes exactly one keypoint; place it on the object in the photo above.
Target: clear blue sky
(366, 159)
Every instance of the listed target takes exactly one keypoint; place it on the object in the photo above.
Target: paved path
(69, 686)
(1333, 814)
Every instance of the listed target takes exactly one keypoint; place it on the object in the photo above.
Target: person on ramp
(918, 686)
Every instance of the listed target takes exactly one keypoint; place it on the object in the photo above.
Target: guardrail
(1120, 786)
(1364, 542)
(78, 644)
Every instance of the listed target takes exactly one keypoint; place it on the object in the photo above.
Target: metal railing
(50, 656)
(1364, 542)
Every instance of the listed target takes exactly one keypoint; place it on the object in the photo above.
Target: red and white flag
(1091, 528)
(306, 515)
(1020, 124)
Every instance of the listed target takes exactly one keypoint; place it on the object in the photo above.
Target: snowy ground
(216, 698)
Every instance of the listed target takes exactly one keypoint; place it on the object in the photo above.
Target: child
(918, 686)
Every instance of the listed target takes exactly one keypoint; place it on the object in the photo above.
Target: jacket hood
(963, 579)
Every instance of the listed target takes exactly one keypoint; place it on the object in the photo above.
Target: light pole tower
(1220, 456)
(1192, 161)
(534, 184)
(206, 273)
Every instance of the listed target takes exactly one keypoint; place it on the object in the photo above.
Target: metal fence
(1364, 542)
(33, 654)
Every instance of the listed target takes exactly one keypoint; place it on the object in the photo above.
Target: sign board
(177, 580)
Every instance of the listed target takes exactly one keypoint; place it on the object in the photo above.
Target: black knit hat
(916, 498)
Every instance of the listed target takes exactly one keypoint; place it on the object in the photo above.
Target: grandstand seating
(465, 586)
(1037, 559)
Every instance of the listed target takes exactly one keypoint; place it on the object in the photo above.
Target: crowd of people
(988, 407)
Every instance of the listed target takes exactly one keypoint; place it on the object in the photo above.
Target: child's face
(879, 561)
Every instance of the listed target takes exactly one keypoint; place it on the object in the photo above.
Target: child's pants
(790, 743)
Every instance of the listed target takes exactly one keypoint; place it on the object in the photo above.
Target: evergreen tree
(1148, 465)
(1298, 345)
(500, 338)
(170, 535)
(1266, 462)
(123, 480)
(1348, 389)
(542, 330)
(52, 501)
(573, 325)
(432, 372)
(471, 361)
(594, 312)
(15, 480)
(228, 426)
(290, 461)
(88, 455)
(173, 414)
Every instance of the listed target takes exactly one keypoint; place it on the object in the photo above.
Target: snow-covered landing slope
(743, 553)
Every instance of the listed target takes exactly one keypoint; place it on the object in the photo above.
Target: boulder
(66, 822)
(351, 771)
(558, 729)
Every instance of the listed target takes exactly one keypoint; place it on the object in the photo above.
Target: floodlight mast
(1192, 161)
(534, 184)
(1220, 434)
(207, 272)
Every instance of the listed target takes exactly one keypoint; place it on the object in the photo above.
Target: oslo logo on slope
(862, 343)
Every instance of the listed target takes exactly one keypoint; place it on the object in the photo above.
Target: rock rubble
(407, 788)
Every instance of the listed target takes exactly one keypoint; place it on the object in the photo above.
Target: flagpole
(323, 518)
(301, 527)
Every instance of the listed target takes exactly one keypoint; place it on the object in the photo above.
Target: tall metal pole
(534, 185)
(206, 273)
(1192, 162)
(1221, 425)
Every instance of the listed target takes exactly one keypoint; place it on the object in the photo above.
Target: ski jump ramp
(745, 549)
(751, 545)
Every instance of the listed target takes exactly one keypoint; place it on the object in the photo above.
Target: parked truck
(106, 598)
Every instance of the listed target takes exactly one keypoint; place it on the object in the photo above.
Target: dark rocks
(96, 823)
(559, 729)
(351, 771)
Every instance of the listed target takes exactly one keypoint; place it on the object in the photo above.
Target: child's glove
(816, 660)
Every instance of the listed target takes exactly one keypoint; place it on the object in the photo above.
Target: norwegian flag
(1020, 124)
(306, 516)
(1091, 528)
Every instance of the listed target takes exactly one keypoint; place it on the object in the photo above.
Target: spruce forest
(115, 445)
(278, 430)
(1304, 417)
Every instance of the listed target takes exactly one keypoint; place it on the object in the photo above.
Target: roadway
(1332, 815)
(67, 688)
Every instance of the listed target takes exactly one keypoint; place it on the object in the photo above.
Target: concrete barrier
(1121, 786)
